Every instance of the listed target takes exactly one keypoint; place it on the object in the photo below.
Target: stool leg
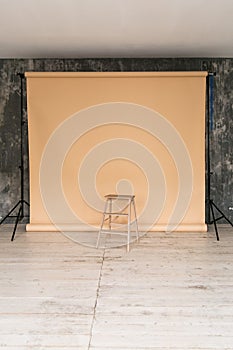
(102, 224)
(110, 216)
(136, 220)
(129, 224)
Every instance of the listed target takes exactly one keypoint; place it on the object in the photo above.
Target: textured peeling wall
(221, 137)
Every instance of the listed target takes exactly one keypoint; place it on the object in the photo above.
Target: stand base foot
(20, 215)
(214, 220)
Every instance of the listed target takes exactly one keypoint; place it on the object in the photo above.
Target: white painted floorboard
(171, 291)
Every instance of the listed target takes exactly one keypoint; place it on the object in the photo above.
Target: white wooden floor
(171, 291)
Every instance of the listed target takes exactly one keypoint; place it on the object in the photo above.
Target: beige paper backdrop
(96, 133)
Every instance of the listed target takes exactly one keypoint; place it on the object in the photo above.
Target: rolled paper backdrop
(91, 134)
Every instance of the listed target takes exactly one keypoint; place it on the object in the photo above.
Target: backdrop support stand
(211, 206)
(22, 202)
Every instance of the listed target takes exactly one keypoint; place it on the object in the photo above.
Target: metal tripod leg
(19, 215)
(223, 215)
(214, 220)
(213, 206)
(16, 222)
(9, 214)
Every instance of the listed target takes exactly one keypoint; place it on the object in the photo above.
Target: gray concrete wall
(221, 137)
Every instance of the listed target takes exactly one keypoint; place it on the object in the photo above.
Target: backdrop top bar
(113, 74)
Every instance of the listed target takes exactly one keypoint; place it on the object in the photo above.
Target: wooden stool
(111, 210)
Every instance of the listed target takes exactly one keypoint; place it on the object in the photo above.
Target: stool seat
(113, 208)
(114, 196)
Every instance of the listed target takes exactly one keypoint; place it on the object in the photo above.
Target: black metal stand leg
(20, 215)
(17, 221)
(214, 220)
(9, 214)
(212, 206)
(223, 215)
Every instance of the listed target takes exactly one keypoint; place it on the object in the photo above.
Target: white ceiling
(116, 28)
